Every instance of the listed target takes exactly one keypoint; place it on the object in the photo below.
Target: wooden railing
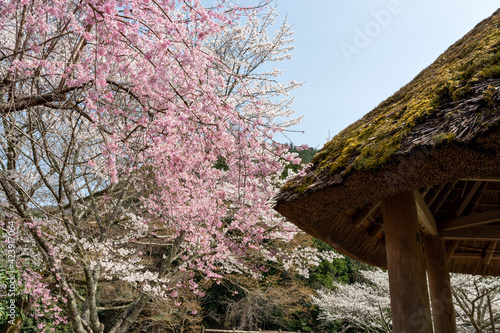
(210, 330)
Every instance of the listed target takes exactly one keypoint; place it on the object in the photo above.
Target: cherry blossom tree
(477, 302)
(366, 304)
(137, 150)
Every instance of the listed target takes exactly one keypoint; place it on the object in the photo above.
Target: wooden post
(439, 285)
(405, 262)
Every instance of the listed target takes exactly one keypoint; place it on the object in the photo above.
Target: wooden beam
(478, 256)
(469, 192)
(430, 200)
(451, 249)
(473, 220)
(477, 199)
(491, 178)
(425, 216)
(405, 263)
(425, 190)
(439, 285)
(380, 235)
(489, 253)
(375, 230)
(364, 213)
(481, 233)
(443, 195)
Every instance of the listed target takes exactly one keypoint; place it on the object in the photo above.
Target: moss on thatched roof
(460, 82)
(439, 137)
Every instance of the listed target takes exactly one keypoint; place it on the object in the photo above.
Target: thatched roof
(439, 134)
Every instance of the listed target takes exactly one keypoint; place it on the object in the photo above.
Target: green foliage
(327, 273)
(305, 155)
(345, 270)
(30, 326)
(221, 164)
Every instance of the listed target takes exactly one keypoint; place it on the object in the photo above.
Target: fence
(209, 330)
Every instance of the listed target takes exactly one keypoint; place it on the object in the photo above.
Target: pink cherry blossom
(139, 145)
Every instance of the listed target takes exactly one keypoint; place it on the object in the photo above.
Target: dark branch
(23, 103)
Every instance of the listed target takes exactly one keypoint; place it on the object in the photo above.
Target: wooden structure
(414, 186)
(234, 330)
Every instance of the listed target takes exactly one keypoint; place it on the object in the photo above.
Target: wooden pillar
(443, 312)
(405, 262)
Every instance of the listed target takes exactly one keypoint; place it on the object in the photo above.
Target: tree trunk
(129, 316)
(492, 317)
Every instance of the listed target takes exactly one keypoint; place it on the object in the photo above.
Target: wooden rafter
(425, 217)
(491, 178)
(375, 230)
(442, 197)
(476, 255)
(469, 221)
(469, 192)
(451, 249)
(364, 214)
(481, 233)
(477, 199)
(489, 253)
(425, 190)
(431, 198)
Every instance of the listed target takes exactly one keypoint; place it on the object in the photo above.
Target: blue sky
(347, 74)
